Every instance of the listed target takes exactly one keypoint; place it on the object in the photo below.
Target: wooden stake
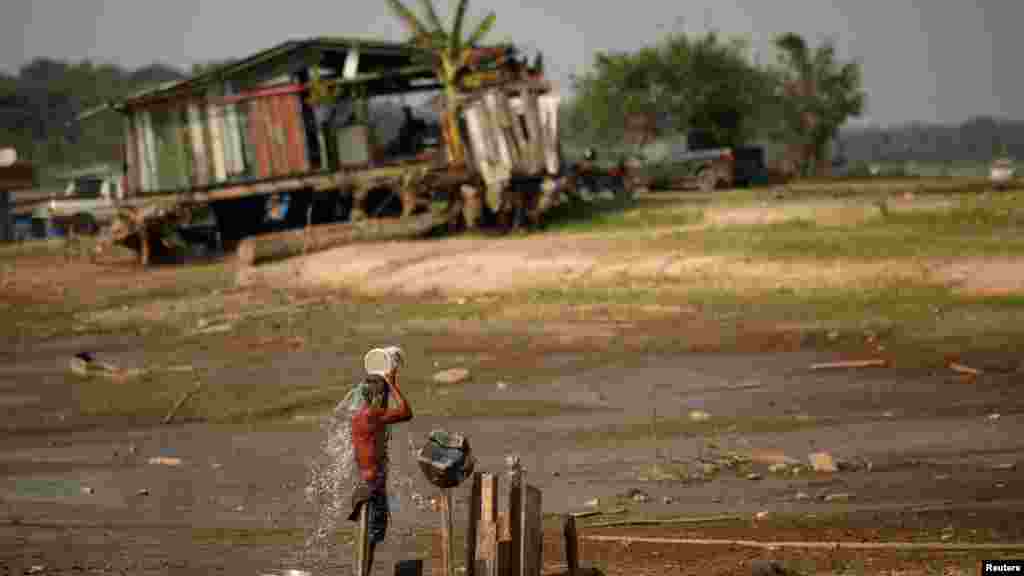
(532, 533)
(447, 527)
(362, 555)
(515, 515)
(475, 504)
(571, 545)
(488, 527)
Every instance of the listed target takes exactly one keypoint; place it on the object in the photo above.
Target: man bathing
(369, 439)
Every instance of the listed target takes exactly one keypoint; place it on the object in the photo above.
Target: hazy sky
(926, 60)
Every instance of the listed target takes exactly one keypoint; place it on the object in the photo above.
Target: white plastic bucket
(383, 360)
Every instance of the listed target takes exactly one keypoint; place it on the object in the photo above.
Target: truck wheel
(84, 225)
(707, 180)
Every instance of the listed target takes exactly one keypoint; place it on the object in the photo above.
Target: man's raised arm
(403, 412)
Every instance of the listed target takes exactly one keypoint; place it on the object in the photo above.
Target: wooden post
(571, 545)
(515, 514)
(475, 504)
(409, 568)
(447, 527)
(362, 555)
(488, 528)
(532, 532)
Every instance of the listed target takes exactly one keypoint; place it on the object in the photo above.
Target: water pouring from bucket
(358, 436)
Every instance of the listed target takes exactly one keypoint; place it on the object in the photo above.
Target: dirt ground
(592, 411)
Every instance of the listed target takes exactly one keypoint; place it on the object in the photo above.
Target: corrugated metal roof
(218, 74)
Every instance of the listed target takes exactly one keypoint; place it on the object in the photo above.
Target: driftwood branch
(281, 245)
(181, 402)
(850, 364)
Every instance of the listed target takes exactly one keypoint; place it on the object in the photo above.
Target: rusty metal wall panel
(258, 138)
(275, 136)
(297, 141)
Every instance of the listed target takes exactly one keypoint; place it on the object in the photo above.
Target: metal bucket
(383, 360)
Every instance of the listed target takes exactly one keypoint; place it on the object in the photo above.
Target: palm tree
(449, 54)
(820, 94)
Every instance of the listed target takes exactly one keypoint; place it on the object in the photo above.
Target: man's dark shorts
(375, 496)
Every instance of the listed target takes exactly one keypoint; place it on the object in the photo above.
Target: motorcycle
(589, 180)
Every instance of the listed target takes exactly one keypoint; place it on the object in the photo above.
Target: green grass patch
(608, 215)
(970, 229)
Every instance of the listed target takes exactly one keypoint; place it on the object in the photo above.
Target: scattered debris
(708, 468)
(85, 364)
(699, 416)
(777, 468)
(214, 329)
(838, 497)
(962, 369)
(771, 457)
(181, 402)
(994, 416)
(802, 496)
(942, 477)
(181, 368)
(638, 495)
(887, 414)
(667, 500)
(143, 492)
(754, 476)
(35, 569)
(850, 364)
(452, 376)
(87, 490)
(1005, 466)
(822, 462)
(165, 461)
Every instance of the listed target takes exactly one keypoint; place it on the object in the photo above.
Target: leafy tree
(449, 54)
(820, 93)
(704, 83)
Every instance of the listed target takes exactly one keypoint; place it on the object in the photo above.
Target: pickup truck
(90, 200)
(674, 164)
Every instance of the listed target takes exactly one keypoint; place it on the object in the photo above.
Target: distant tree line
(39, 103)
(979, 139)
